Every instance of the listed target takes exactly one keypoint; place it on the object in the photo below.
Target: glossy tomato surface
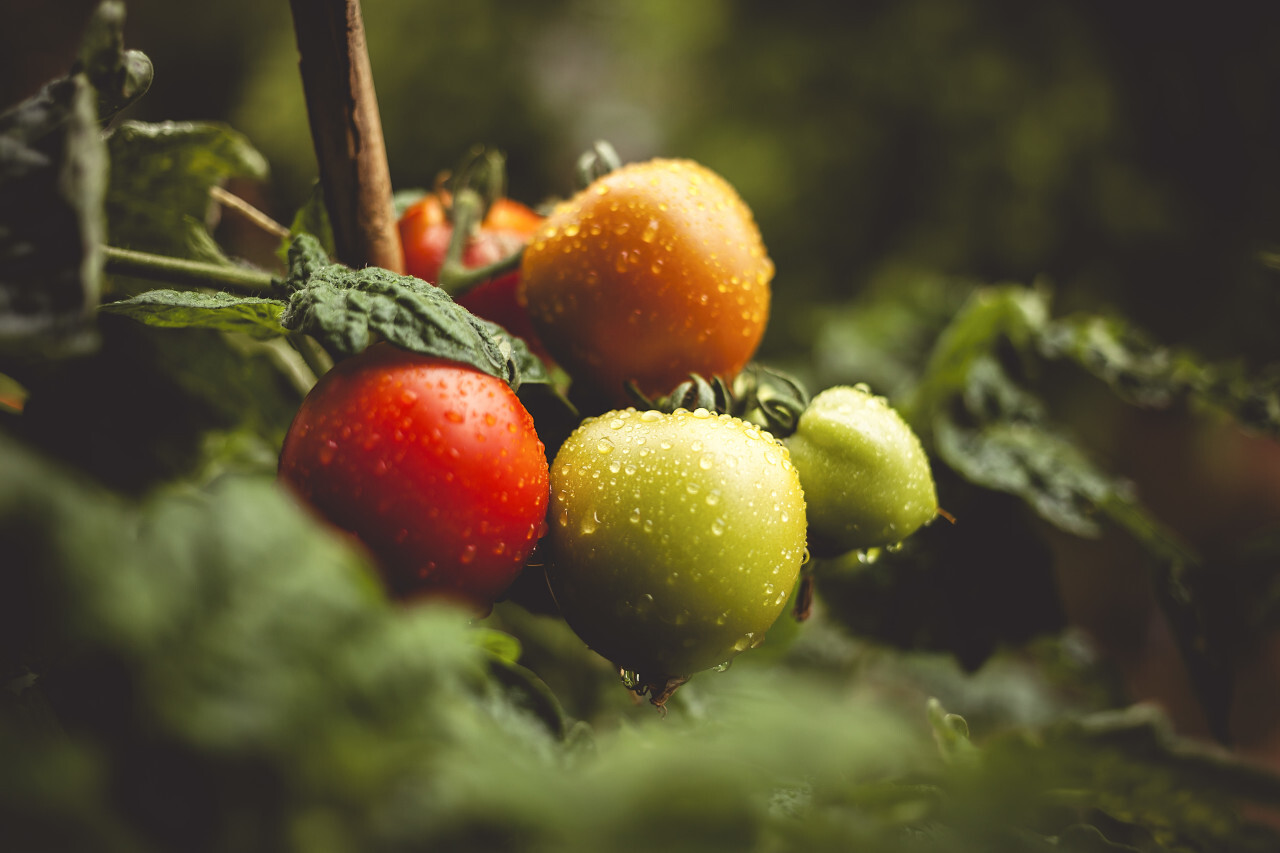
(655, 271)
(433, 465)
(676, 539)
(865, 475)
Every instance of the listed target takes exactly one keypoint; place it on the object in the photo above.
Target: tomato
(675, 539)
(865, 475)
(425, 232)
(654, 271)
(433, 465)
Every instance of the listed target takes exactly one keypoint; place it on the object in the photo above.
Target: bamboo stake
(346, 129)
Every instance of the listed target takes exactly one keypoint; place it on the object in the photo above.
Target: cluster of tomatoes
(672, 539)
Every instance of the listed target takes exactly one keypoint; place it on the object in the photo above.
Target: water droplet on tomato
(327, 451)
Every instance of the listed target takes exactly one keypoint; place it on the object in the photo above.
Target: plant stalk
(346, 129)
(182, 271)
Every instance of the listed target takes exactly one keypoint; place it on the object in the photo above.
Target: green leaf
(161, 175)
(312, 218)
(251, 315)
(1147, 374)
(154, 404)
(52, 184)
(1130, 766)
(345, 309)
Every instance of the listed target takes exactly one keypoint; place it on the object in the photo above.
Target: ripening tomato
(654, 271)
(675, 539)
(433, 465)
(425, 232)
(865, 475)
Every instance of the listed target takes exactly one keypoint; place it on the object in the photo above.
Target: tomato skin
(865, 475)
(676, 539)
(425, 232)
(433, 465)
(654, 271)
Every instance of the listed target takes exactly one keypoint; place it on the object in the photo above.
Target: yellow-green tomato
(865, 476)
(676, 538)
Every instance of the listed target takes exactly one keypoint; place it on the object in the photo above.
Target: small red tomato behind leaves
(425, 232)
(433, 465)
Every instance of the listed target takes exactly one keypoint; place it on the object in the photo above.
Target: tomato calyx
(762, 395)
(659, 689)
(596, 162)
(467, 197)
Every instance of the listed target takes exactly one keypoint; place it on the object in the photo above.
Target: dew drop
(604, 445)
(468, 554)
(717, 527)
(327, 452)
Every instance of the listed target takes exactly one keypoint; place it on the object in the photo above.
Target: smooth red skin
(425, 232)
(433, 465)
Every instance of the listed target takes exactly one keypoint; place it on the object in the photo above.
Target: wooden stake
(347, 131)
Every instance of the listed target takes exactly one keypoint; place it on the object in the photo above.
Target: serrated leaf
(251, 315)
(991, 315)
(1145, 373)
(161, 175)
(347, 310)
(52, 184)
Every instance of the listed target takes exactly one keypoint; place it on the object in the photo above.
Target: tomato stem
(164, 268)
(455, 278)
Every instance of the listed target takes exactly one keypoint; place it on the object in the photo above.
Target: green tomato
(676, 538)
(866, 478)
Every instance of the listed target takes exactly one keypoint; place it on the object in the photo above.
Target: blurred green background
(1126, 152)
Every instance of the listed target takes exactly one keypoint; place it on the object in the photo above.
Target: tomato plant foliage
(191, 661)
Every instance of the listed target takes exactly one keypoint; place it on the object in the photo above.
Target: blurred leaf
(161, 174)
(1147, 374)
(1130, 766)
(345, 309)
(254, 316)
(53, 177)
(120, 77)
(143, 407)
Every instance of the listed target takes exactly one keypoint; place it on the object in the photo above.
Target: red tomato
(433, 465)
(425, 232)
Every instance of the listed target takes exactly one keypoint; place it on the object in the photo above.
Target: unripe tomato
(425, 232)
(433, 465)
(865, 475)
(655, 271)
(676, 539)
